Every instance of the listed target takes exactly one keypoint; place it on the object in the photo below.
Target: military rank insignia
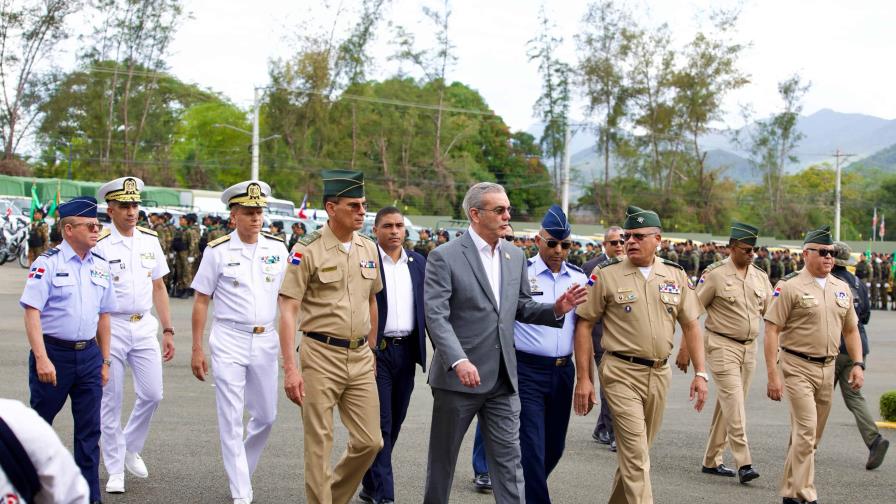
(295, 259)
(368, 264)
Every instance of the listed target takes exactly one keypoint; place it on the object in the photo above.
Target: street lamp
(255, 143)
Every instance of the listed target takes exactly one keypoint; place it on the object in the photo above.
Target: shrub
(888, 406)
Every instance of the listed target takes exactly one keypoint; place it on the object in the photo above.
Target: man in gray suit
(475, 287)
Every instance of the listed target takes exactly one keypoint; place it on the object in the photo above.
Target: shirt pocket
(331, 283)
(671, 303)
(64, 286)
(149, 263)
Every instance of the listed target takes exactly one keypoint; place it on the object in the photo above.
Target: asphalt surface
(184, 457)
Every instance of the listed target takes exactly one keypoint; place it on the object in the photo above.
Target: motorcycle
(14, 242)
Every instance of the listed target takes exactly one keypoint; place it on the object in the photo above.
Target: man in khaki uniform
(333, 279)
(808, 312)
(735, 293)
(638, 298)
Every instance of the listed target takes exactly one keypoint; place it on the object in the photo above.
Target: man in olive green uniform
(187, 240)
(425, 244)
(688, 260)
(807, 314)
(638, 298)
(333, 279)
(38, 236)
(776, 268)
(735, 294)
(298, 231)
(875, 281)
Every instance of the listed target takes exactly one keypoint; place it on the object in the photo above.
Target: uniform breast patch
(295, 259)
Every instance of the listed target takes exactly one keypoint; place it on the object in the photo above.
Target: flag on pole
(35, 201)
(883, 229)
(874, 225)
(303, 206)
(55, 203)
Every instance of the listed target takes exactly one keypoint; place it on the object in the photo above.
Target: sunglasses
(747, 250)
(615, 243)
(509, 238)
(636, 236)
(499, 210)
(822, 252)
(91, 226)
(565, 244)
(356, 207)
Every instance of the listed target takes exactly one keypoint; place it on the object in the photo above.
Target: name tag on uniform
(62, 274)
(328, 268)
(232, 264)
(147, 255)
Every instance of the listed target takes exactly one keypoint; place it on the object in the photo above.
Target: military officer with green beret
(332, 280)
(808, 312)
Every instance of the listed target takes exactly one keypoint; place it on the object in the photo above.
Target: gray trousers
(499, 419)
(855, 401)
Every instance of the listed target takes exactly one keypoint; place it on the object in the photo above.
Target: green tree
(206, 150)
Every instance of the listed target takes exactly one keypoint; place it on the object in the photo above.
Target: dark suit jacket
(417, 267)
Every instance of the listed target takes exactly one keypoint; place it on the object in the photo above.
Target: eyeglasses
(615, 243)
(565, 244)
(91, 226)
(356, 207)
(822, 252)
(498, 210)
(748, 250)
(636, 236)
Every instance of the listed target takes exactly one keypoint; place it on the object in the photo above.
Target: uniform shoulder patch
(51, 252)
(574, 267)
(105, 233)
(789, 276)
(608, 262)
(673, 264)
(369, 238)
(308, 239)
(274, 237)
(218, 241)
(713, 266)
(94, 254)
(760, 269)
(147, 231)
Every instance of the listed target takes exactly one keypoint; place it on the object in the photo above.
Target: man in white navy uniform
(137, 267)
(243, 271)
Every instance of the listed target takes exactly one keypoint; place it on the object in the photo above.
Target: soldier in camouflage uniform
(777, 268)
(186, 247)
(763, 262)
(875, 281)
(424, 244)
(788, 265)
(38, 236)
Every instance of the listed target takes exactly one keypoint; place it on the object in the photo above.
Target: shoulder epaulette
(530, 262)
(218, 241)
(713, 266)
(608, 262)
(147, 231)
(273, 237)
(97, 255)
(51, 252)
(308, 239)
(368, 237)
(760, 269)
(789, 276)
(104, 234)
(574, 267)
(673, 264)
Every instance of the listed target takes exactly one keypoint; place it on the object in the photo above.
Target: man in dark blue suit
(400, 344)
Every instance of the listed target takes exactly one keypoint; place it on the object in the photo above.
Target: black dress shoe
(877, 452)
(387, 501)
(613, 446)
(602, 437)
(721, 470)
(791, 500)
(747, 474)
(483, 483)
(366, 497)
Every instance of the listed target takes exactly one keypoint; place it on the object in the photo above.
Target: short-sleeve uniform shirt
(639, 314)
(811, 318)
(734, 305)
(333, 286)
(69, 292)
(134, 262)
(243, 279)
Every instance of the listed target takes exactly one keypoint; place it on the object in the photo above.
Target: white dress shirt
(491, 262)
(399, 294)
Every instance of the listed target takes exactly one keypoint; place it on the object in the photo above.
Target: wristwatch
(860, 364)
(168, 329)
(703, 375)
(107, 362)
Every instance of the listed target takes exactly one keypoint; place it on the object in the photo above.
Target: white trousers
(245, 369)
(133, 344)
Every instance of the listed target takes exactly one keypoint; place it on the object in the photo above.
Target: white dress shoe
(135, 465)
(242, 501)
(115, 483)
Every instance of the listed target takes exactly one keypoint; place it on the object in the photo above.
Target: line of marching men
(514, 341)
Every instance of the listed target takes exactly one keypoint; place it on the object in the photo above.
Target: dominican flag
(592, 279)
(883, 228)
(777, 292)
(36, 273)
(302, 207)
(295, 259)
(874, 223)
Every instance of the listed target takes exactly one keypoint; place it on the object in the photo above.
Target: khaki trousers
(809, 388)
(637, 398)
(732, 365)
(343, 378)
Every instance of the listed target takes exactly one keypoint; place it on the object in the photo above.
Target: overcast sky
(846, 49)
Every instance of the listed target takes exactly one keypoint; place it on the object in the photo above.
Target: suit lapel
(506, 296)
(472, 256)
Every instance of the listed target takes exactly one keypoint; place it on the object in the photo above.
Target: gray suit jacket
(463, 319)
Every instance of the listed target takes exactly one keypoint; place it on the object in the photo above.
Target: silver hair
(613, 229)
(473, 198)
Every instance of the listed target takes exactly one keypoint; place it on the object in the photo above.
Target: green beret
(343, 183)
(638, 218)
(821, 236)
(744, 233)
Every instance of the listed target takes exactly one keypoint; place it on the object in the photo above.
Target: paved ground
(183, 453)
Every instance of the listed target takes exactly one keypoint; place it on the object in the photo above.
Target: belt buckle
(354, 344)
(382, 344)
(257, 329)
(136, 317)
(80, 345)
(658, 363)
(560, 361)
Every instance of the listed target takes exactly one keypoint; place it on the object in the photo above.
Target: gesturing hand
(574, 296)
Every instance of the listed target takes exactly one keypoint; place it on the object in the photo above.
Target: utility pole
(565, 178)
(837, 155)
(255, 142)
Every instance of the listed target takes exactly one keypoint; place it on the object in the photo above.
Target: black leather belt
(638, 360)
(732, 338)
(817, 360)
(338, 342)
(541, 360)
(393, 341)
(71, 345)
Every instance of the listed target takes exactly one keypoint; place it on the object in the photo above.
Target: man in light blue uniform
(544, 359)
(67, 300)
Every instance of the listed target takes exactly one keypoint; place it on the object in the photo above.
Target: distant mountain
(884, 159)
